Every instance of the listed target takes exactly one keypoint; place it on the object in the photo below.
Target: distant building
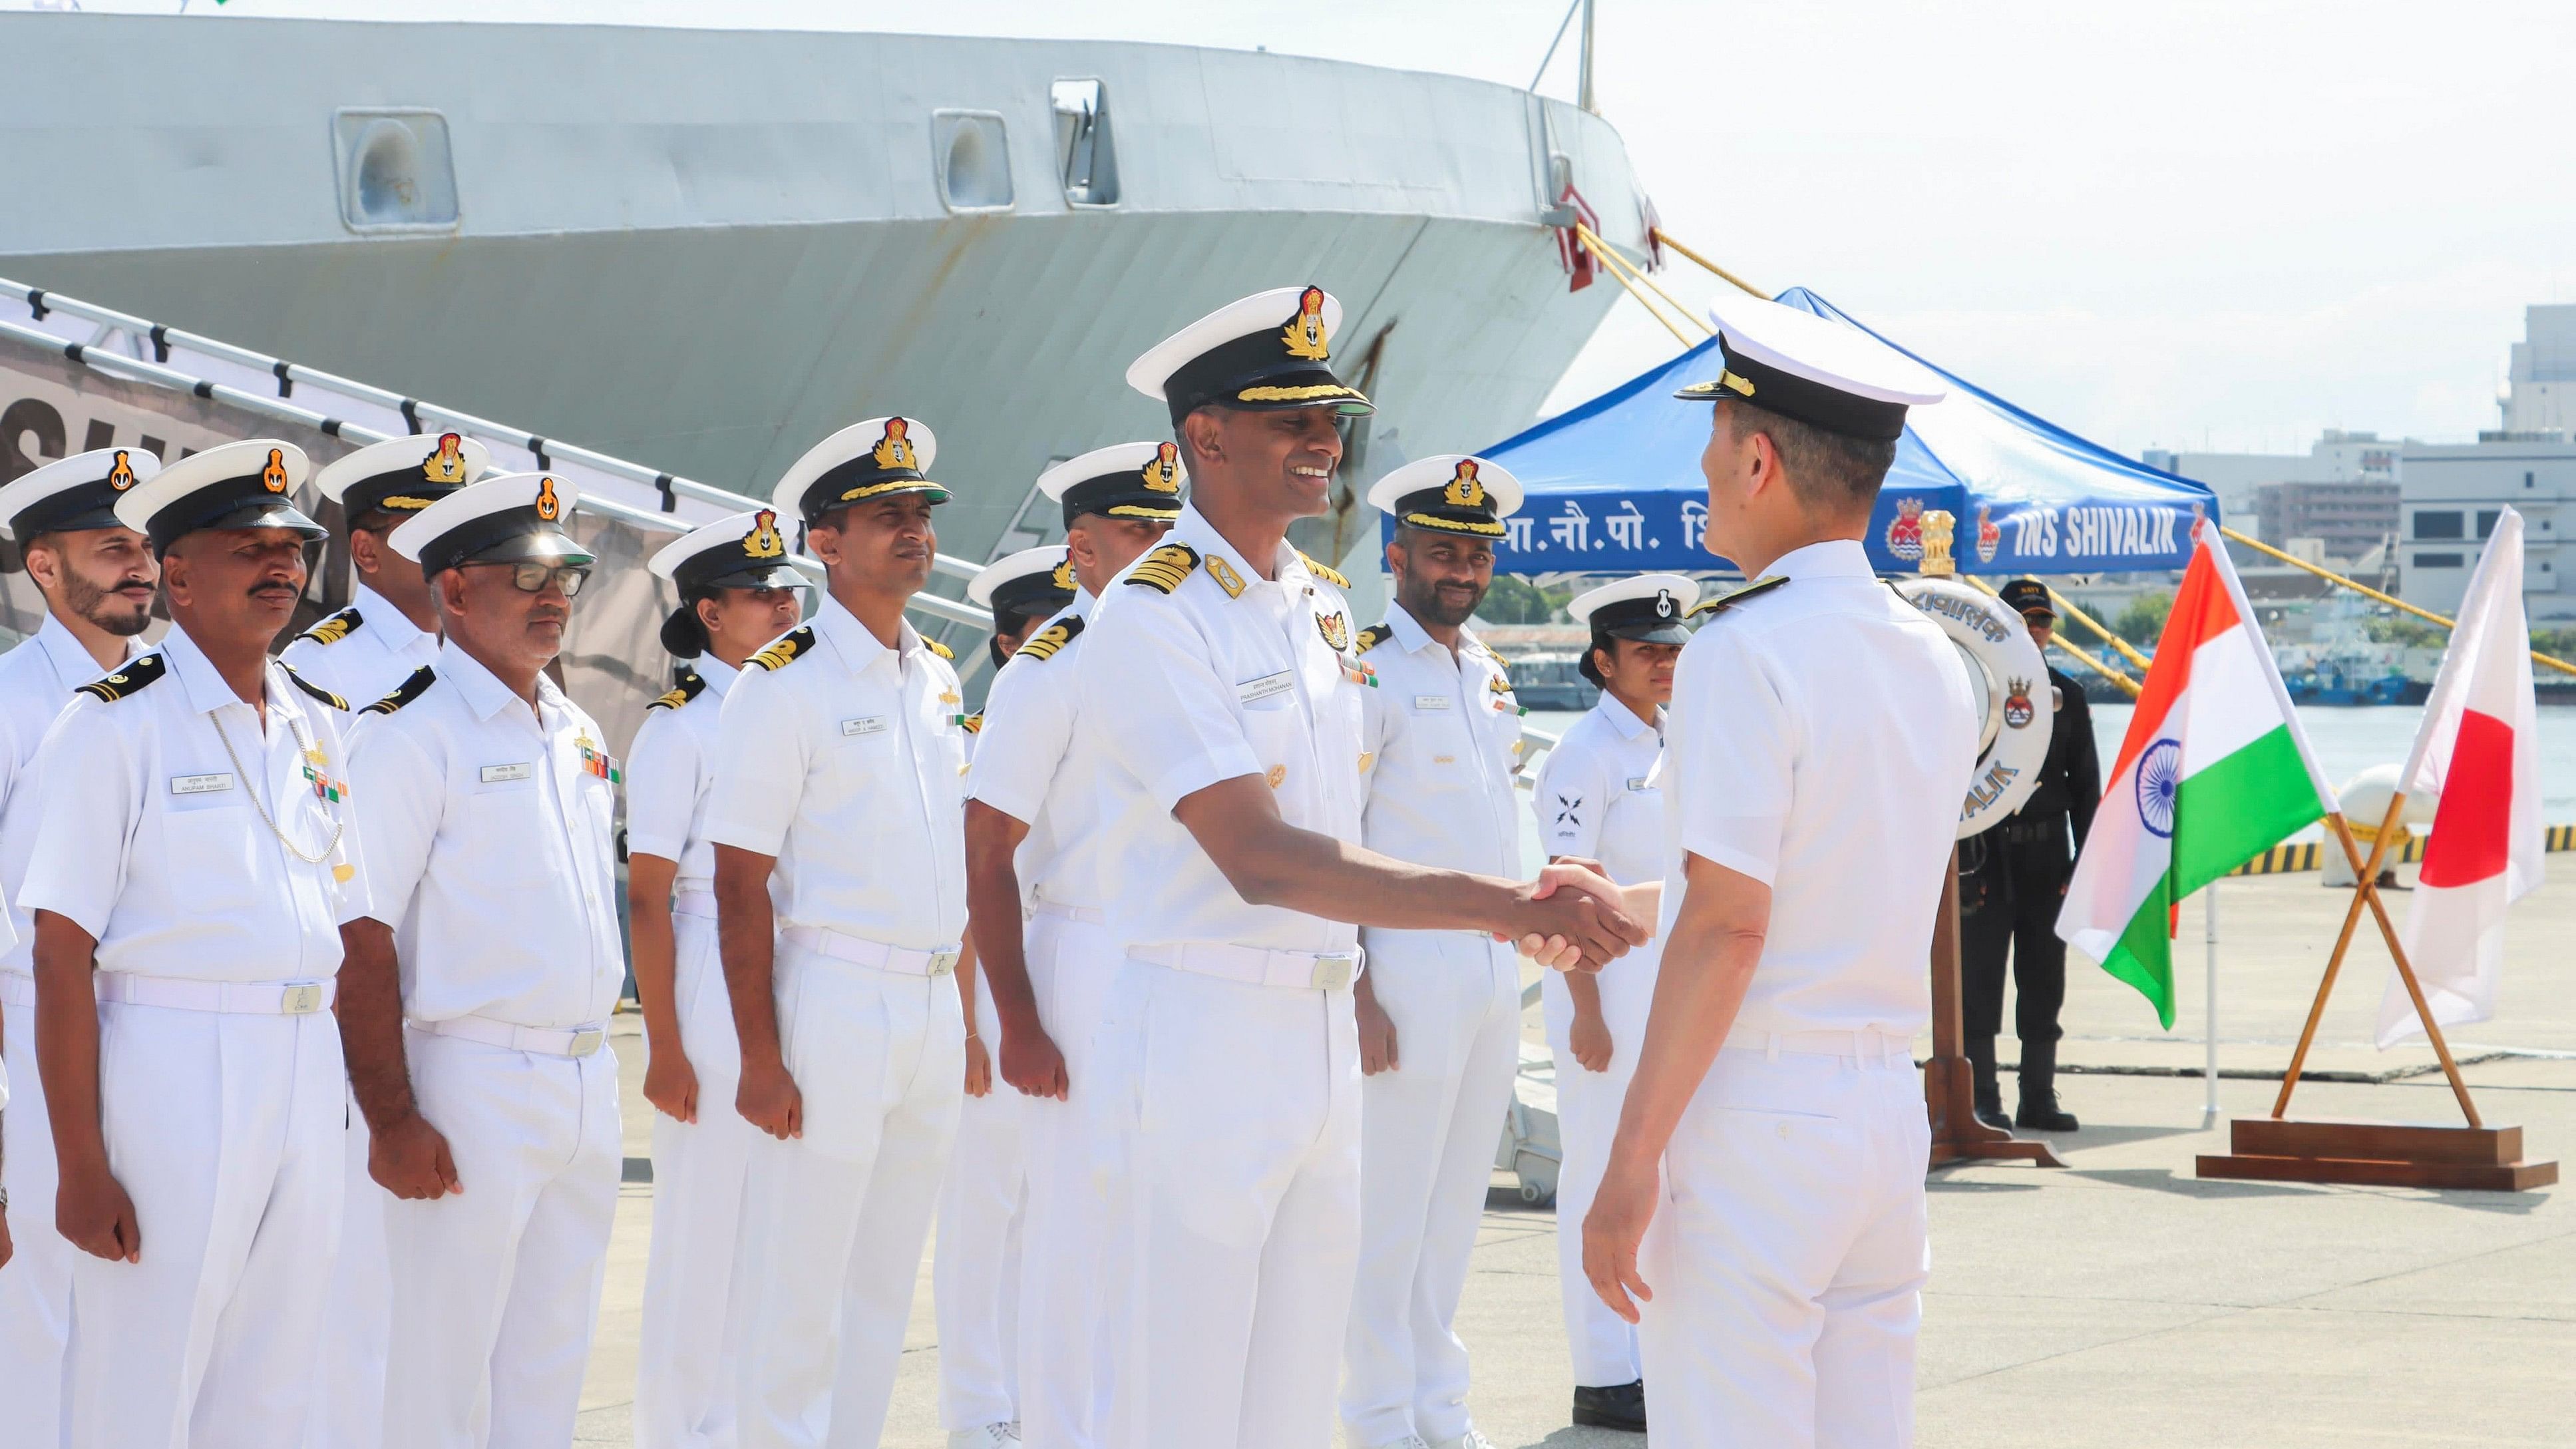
(2540, 391)
(2450, 498)
(2238, 478)
(2348, 520)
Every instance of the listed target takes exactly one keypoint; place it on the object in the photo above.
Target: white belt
(1088, 915)
(1863, 1047)
(695, 903)
(861, 951)
(1305, 970)
(249, 998)
(550, 1041)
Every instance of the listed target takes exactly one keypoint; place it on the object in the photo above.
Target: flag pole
(2368, 880)
(2406, 970)
(2209, 1056)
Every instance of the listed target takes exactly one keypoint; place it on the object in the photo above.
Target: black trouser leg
(2039, 957)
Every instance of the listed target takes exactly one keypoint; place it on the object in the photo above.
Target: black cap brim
(265, 513)
(767, 576)
(1659, 631)
(544, 545)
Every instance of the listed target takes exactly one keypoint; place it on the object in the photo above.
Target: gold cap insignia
(1163, 475)
(549, 507)
(273, 477)
(1063, 578)
(763, 540)
(447, 463)
(121, 477)
(894, 450)
(1465, 489)
(1305, 334)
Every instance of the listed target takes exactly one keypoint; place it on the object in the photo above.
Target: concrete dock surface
(2122, 1301)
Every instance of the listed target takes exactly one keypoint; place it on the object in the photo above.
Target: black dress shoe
(2044, 1115)
(1622, 1406)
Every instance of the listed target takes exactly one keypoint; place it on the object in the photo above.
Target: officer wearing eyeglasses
(481, 981)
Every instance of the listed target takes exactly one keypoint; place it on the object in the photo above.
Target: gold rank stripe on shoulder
(136, 674)
(334, 628)
(1324, 571)
(1050, 639)
(1373, 636)
(942, 650)
(785, 649)
(1164, 568)
(1491, 653)
(404, 693)
(315, 690)
(689, 687)
(1724, 602)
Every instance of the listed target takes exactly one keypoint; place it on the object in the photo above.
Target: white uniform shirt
(1439, 737)
(151, 837)
(1227, 675)
(364, 652)
(1034, 764)
(1820, 742)
(488, 851)
(36, 682)
(1600, 793)
(845, 760)
(670, 771)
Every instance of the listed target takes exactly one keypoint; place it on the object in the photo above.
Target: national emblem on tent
(1905, 530)
(1990, 534)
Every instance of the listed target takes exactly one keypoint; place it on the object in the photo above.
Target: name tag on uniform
(1253, 691)
(1431, 701)
(199, 784)
(1640, 782)
(504, 774)
(874, 724)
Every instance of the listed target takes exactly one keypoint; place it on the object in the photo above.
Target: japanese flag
(2478, 750)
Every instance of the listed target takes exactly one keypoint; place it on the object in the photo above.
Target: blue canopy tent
(1613, 486)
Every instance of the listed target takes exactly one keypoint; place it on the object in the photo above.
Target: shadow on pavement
(2164, 1179)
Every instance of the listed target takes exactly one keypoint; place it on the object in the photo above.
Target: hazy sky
(2177, 225)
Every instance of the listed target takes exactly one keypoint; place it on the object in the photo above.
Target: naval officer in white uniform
(1034, 854)
(1222, 680)
(737, 592)
(192, 869)
(841, 906)
(975, 1280)
(97, 578)
(363, 653)
(1600, 797)
(481, 980)
(1820, 743)
(1439, 1011)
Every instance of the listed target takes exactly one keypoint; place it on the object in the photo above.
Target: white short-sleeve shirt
(1226, 675)
(364, 652)
(36, 683)
(1600, 793)
(846, 761)
(151, 836)
(1035, 764)
(488, 849)
(670, 770)
(1440, 734)
(1820, 740)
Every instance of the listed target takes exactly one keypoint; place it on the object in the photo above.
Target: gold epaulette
(1373, 636)
(334, 628)
(135, 674)
(1724, 602)
(1164, 568)
(315, 690)
(410, 689)
(1324, 571)
(942, 650)
(1050, 639)
(689, 687)
(785, 649)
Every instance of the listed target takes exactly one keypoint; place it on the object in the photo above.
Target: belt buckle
(301, 999)
(1333, 973)
(944, 960)
(587, 1040)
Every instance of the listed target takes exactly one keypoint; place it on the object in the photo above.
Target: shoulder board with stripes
(1164, 568)
(315, 690)
(1724, 602)
(942, 650)
(1493, 654)
(409, 690)
(135, 674)
(1050, 639)
(681, 693)
(1324, 571)
(333, 628)
(1373, 636)
(785, 649)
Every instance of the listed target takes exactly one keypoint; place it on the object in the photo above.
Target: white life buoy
(2010, 681)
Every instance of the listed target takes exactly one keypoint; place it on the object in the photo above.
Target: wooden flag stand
(2280, 1148)
(1949, 1083)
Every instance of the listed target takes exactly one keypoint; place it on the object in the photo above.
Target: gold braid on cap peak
(1164, 568)
(1454, 525)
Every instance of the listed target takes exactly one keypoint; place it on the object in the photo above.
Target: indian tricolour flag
(2214, 770)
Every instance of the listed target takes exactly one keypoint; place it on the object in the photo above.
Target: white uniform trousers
(1239, 1109)
(496, 1289)
(1427, 1134)
(1603, 1345)
(224, 1130)
(36, 1282)
(357, 1316)
(685, 1366)
(1788, 1256)
(975, 1279)
(835, 1219)
(1071, 1234)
